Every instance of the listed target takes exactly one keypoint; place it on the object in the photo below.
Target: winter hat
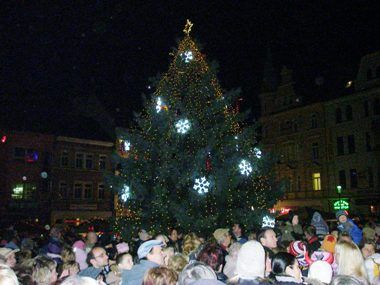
(79, 244)
(219, 234)
(251, 260)
(122, 247)
(297, 248)
(340, 213)
(328, 243)
(321, 270)
(146, 247)
(5, 252)
(320, 225)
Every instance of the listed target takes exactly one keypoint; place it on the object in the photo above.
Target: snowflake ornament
(125, 193)
(187, 56)
(183, 126)
(245, 167)
(258, 153)
(160, 105)
(126, 145)
(268, 222)
(201, 185)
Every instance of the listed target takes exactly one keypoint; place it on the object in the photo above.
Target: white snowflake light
(126, 145)
(268, 222)
(183, 126)
(258, 153)
(125, 193)
(201, 185)
(158, 104)
(245, 167)
(187, 56)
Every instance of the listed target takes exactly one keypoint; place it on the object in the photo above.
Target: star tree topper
(188, 27)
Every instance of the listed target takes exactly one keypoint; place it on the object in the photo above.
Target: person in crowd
(67, 254)
(177, 262)
(163, 238)
(191, 244)
(150, 255)
(196, 271)
(160, 276)
(173, 240)
(285, 269)
(321, 227)
(292, 230)
(143, 237)
(79, 280)
(250, 265)
(7, 276)
(9, 256)
(239, 232)
(79, 248)
(11, 239)
(371, 259)
(230, 267)
(97, 260)
(347, 225)
(267, 237)
(223, 238)
(350, 260)
(122, 247)
(68, 268)
(168, 253)
(268, 261)
(347, 280)
(124, 261)
(320, 270)
(91, 241)
(44, 270)
(369, 231)
(328, 243)
(212, 255)
(298, 249)
(313, 243)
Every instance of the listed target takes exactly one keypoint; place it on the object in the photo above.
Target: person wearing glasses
(97, 260)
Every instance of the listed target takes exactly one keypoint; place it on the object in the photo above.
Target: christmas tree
(190, 160)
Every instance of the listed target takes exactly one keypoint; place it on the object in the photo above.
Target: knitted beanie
(328, 243)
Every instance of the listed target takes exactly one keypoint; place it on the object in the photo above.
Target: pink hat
(79, 244)
(297, 248)
(122, 247)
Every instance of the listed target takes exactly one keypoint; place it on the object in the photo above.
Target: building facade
(54, 178)
(328, 151)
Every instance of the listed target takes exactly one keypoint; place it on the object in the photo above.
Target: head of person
(196, 271)
(190, 243)
(79, 280)
(177, 263)
(9, 256)
(347, 280)
(268, 260)
(173, 234)
(267, 237)
(368, 248)
(251, 260)
(160, 276)
(293, 218)
(91, 238)
(56, 232)
(168, 253)
(342, 216)
(122, 247)
(349, 259)
(144, 235)
(309, 232)
(285, 264)
(212, 255)
(238, 229)
(328, 243)
(69, 268)
(97, 257)
(320, 270)
(162, 238)
(7, 276)
(222, 237)
(124, 261)
(151, 250)
(67, 254)
(44, 270)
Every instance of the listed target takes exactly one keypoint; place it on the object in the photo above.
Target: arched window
(338, 115)
(314, 122)
(348, 113)
(369, 74)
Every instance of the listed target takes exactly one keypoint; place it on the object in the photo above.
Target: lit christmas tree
(190, 161)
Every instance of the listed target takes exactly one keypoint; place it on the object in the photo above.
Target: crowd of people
(288, 252)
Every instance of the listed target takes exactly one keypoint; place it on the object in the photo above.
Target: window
(369, 74)
(376, 106)
(315, 151)
(23, 191)
(348, 113)
(101, 191)
(102, 162)
(88, 191)
(65, 158)
(79, 157)
(366, 108)
(353, 178)
(78, 189)
(370, 177)
(63, 189)
(368, 146)
(317, 181)
(338, 115)
(351, 144)
(314, 123)
(342, 179)
(89, 161)
(339, 145)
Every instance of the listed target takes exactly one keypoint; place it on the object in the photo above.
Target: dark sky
(61, 62)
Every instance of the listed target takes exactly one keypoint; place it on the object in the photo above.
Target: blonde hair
(190, 243)
(67, 254)
(43, 269)
(350, 260)
(7, 276)
(160, 276)
(177, 262)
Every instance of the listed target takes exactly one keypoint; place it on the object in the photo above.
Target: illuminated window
(17, 192)
(23, 191)
(317, 181)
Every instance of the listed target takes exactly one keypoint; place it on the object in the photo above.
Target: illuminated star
(188, 27)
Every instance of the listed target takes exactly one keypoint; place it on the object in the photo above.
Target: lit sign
(341, 205)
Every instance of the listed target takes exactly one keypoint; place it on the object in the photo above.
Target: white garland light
(245, 167)
(126, 146)
(258, 153)
(183, 126)
(158, 104)
(187, 56)
(125, 193)
(201, 185)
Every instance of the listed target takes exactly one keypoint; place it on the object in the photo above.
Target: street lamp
(339, 190)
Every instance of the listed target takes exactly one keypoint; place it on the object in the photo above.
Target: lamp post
(339, 191)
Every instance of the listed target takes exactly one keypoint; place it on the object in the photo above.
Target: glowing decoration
(125, 193)
(188, 27)
(341, 205)
(258, 153)
(160, 105)
(183, 126)
(201, 185)
(187, 56)
(268, 222)
(245, 167)
(3, 139)
(127, 146)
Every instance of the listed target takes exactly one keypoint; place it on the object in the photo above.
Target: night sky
(67, 67)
